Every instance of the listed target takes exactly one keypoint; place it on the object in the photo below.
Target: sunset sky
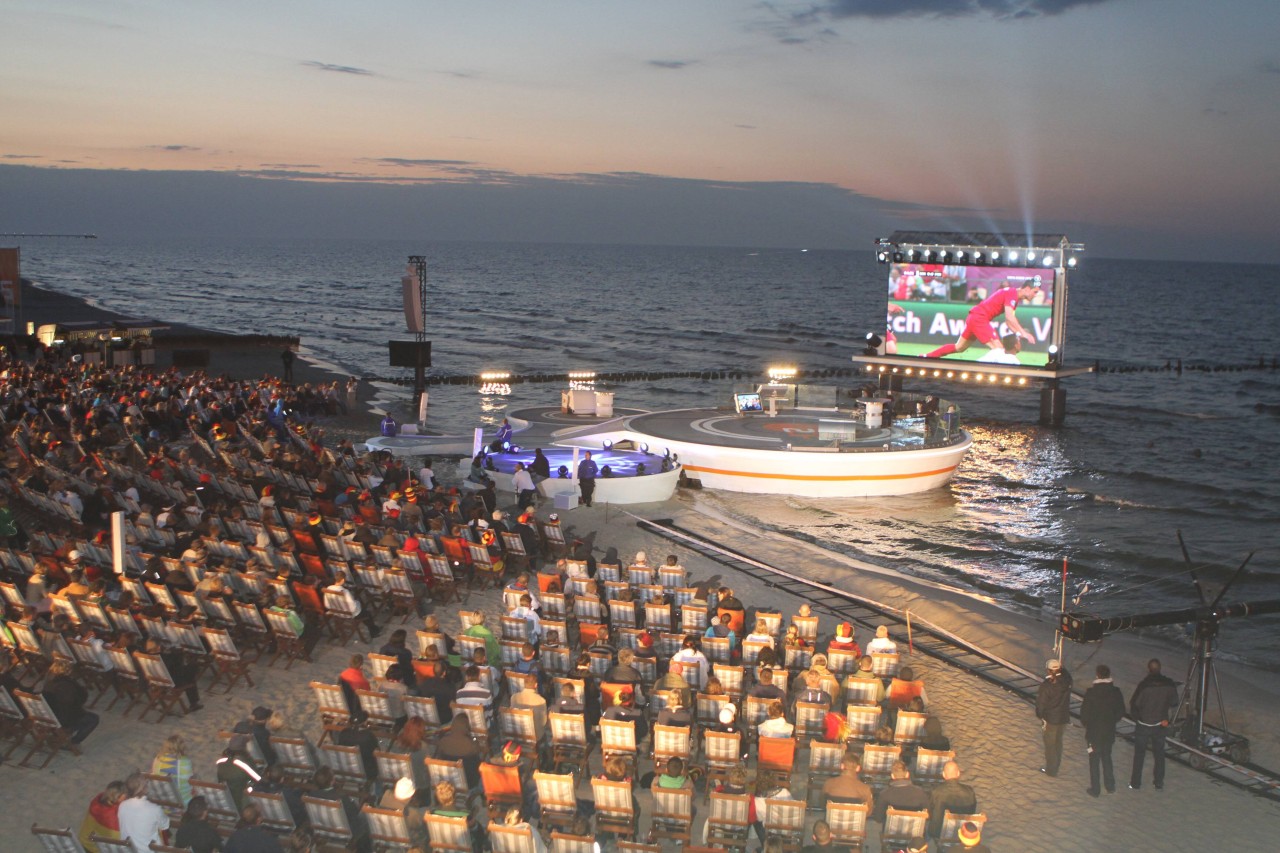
(1149, 127)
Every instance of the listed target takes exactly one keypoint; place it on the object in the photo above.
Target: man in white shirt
(882, 645)
(348, 602)
(695, 663)
(522, 483)
(526, 612)
(141, 821)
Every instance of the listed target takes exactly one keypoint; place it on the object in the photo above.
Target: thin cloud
(998, 9)
(1270, 68)
(672, 64)
(21, 156)
(173, 148)
(405, 161)
(289, 165)
(746, 126)
(341, 69)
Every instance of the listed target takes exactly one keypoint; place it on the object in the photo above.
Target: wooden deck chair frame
(448, 833)
(162, 692)
(563, 842)
(877, 763)
(902, 825)
(511, 839)
(294, 755)
(615, 810)
(824, 764)
(47, 734)
(58, 840)
(929, 764)
(557, 800)
(388, 829)
(727, 821)
(670, 742)
(848, 822)
(392, 767)
(672, 816)
(229, 666)
(343, 623)
(863, 720)
(222, 806)
(332, 705)
(518, 724)
(288, 641)
(885, 664)
(328, 819)
(275, 811)
(722, 751)
(440, 770)
(569, 744)
(501, 785)
(909, 727)
(949, 830)
(618, 737)
(785, 819)
(348, 768)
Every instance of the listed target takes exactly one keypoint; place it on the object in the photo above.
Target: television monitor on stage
(747, 402)
(972, 313)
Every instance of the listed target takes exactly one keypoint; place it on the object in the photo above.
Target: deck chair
(163, 791)
(809, 720)
(708, 707)
(348, 768)
(657, 616)
(90, 669)
(377, 705)
(562, 842)
(229, 665)
(722, 752)
(251, 627)
(555, 606)
(58, 840)
(13, 723)
(275, 811)
(569, 744)
(557, 802)
(877, 762)
(126, 679)
(342, 618)
(400, 596)
(517, 558)
(328, 820)
(755, 711)
(929, 764)
(392, 767)
(425, 708)
(693, 619)
(615, 811)
(862, 691)
(295, 756)
(807, 628)
(751, 651)
(901, 826)
(479, 717)
(222, 806)
(553, 537)
(949, 833)
(618, 737)
(717, 649)
(731, 678)
(824, 764)
(501, 784)
(449, 833)
(778, 756)
(518, 724)
(510, 839)
(909, 728)
(47, 734)
(848, 822)
(444, 584)
(796, 658)
(515, 629)
(672, 816)
(484, 567)
(288, 641)
(162, 693)
(785, 819)
(727, 823)
(863, 720)
(885, 664)
(388, 829)
(670, 742)
(334, 712)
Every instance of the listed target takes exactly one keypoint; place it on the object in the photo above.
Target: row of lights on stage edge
(967, 256)
(965, 375)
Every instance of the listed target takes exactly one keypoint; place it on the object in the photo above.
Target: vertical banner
(117, 542)
(412, 291)
(10, 290)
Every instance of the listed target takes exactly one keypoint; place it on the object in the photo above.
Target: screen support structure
(419, 264)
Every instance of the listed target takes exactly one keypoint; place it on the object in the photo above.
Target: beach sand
(994, 732)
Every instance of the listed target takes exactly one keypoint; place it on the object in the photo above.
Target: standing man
(1053, 707)
(522, 482)
(1149, 706)
(286, 358)
(587, 473)
(1102, 708)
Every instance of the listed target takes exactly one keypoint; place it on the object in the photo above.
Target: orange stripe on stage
(823, 477)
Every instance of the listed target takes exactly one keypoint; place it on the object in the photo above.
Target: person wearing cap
(624, 708)
(403, 797)
(969, 834)
(1053, 709)
(727, 722)
(843, 640)
(1102, 708)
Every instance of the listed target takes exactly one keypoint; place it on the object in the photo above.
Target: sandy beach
(995, 734)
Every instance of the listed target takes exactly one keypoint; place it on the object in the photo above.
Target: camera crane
(1202, 677)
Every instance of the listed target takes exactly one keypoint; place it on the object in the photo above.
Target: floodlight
(1013, 256)
(644, 448)
(1048, 260)
(882, 257)
(1031, 255)
(608, 445)
(1071, 262)
(897, 257)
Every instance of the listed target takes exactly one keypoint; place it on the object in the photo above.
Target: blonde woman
(172, 761)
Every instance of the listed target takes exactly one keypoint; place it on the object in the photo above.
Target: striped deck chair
(877, 762)
(328, 820)
(672, 816)
(785, 819)
(949, 833)
(388, 829)
(901, 826)
(510, 839)
(929, 764)
(824, 764)
(727, 823)
(557, 802)
(615, 811)
(848, 822)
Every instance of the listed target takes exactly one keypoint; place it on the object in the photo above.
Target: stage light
(977, 257)
(964, 375)
(897, 257)
(928, 255)
(945, 257)
(582, 374)
(506, 446)
(515, 448)
(1053, 349)
(895, 370)
(937, 373)
(995, 257)
(1022, 381)
(1048, 260)
(644, 448)
(495, 376)
(911, 254)
(951, 374)
(780, 373)
(1008, 379)
(882, 368)
(1071, 262)
(875, 345)
(1013, 256)
(882, 257)
(960, 257)
(1031, 255)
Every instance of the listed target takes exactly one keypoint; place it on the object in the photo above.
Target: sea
(1145, 452)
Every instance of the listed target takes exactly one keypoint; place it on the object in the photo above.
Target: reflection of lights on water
(498, 388)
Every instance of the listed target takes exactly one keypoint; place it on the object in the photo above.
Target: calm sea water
(1142, 454)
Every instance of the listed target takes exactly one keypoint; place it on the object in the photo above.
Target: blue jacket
(588, 470)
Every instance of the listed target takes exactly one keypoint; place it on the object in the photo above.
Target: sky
(1145, 128)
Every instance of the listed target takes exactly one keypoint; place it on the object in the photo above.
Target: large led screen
(991, 315)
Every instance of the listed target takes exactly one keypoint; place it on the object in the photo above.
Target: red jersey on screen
(995, 305)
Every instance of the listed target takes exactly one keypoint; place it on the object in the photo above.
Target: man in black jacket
(1053, 707)
(1102, 708)
(1149, 706)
